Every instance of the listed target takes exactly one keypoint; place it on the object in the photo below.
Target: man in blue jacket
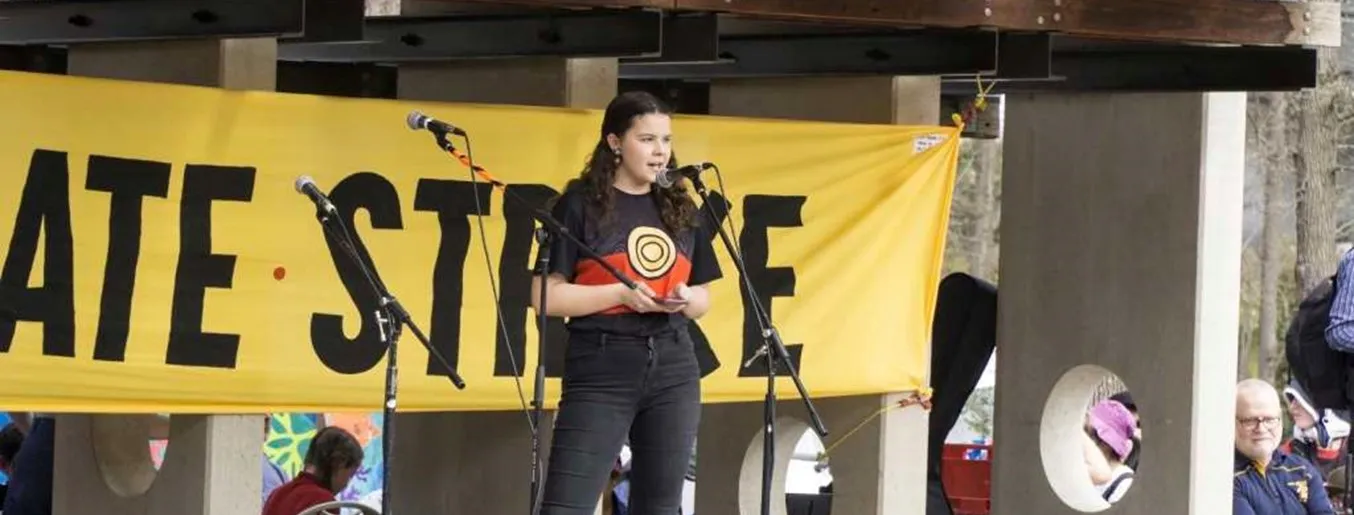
(1267, 480)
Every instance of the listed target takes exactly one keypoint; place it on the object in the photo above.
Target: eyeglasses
(1256, 422)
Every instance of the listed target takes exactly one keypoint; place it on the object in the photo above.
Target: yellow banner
(158, 258)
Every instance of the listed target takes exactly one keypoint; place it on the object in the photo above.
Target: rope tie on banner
(969, 112)
(920, 398)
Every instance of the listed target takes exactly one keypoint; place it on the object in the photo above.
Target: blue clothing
(1340, 331)
(30, 487)
(273, 477)
(1289, 485)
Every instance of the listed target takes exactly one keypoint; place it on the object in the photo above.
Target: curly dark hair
(675, 206)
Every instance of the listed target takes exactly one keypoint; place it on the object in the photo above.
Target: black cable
(493, 285)
(502, 322)
(728, 217)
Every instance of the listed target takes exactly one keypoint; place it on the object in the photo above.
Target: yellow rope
(921, 398)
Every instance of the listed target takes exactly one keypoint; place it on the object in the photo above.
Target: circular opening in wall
(789, 433)
(122, 453)
(1089, 438)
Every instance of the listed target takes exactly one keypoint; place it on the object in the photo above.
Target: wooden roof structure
(1258, 22)
(336, 47)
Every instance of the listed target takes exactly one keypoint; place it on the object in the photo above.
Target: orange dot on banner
(279, 273)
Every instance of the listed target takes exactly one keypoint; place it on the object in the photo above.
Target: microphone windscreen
(302, 181)
(664, 179)
(415, 120)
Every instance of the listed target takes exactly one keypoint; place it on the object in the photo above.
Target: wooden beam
(1215, 21)
(1255, 22)
(657, 4)
(1314, 23)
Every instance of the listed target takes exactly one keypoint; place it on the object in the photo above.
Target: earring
(618, 155)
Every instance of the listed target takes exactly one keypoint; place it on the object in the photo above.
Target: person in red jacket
(333, 458)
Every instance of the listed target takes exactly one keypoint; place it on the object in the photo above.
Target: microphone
(669, 177)
(306, 186)
(419, 121)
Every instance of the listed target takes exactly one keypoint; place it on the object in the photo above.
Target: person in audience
(1335, 489)
(1267, 480)
(1127, 400)
(11, 438)
(30, 479)
(1340, 329)
(1109, 429)
(333, 458)
(1318, 438)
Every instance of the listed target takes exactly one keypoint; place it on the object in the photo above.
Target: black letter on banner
(453, 201)
(199, 269)
(128, 180)
(45, 208)
(760, 213)
(705, 354)
(377, 195)
(514, 269)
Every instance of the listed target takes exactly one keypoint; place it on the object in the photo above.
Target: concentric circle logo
(651, 252)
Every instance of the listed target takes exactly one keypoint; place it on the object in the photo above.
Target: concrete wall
(1121, 245)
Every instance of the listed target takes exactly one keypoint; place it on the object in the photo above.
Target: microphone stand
(538, 386)
(550, 227)
(391, 318)
(773, 349)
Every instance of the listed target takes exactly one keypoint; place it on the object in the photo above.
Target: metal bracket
(334, 20)
(920, 52)
(24, 22)
(985, 124)
(1164, 68)
(595, 33)
(34, 58)
(361, 80)
(687, 38)
(1024, 55)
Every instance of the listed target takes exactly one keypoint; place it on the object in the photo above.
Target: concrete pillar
(1121, 248)
(886, 100)
(551, 82)
(212, 466)
(881, 469)
(482, 462)
(230, 63)
(212, 463)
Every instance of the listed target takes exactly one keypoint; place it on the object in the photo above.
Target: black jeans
(648, 387)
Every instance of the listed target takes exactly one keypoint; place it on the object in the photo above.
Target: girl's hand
(678, 299)
(640, 300)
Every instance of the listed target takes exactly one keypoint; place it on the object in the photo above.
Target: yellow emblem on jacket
(1300, 487)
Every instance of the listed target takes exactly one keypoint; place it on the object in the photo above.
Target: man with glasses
(1267, 480)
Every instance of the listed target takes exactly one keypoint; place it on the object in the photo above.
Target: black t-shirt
(634, 241)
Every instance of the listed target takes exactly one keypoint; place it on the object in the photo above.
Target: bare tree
(1271, 132)
(987, 178)
(978, 411)
(1321, 113)
(971, 244)
(383, 7)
